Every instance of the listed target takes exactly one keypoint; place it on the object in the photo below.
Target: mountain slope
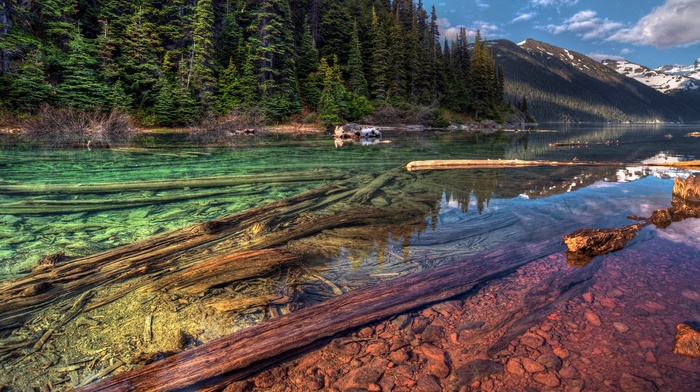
(562, 85)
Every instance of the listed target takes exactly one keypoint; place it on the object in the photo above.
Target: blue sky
(647, 32)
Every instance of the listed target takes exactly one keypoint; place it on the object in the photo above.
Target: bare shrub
(71, 127)
(227, 130)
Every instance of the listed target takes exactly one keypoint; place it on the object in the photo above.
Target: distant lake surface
(71, 201)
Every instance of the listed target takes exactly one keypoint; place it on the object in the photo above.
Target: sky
(646, 32)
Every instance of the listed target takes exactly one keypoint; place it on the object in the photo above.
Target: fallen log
(159, 185)
(584, 244)
(222, 361)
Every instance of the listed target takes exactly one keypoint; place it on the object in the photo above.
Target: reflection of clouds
(686, 232)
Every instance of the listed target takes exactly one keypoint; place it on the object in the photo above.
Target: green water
(129, 216)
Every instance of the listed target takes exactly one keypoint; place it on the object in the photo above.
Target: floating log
(441, 164)
(222, 361)
(240, 304)
(180, 183)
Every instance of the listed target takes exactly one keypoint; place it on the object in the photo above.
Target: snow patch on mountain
(666, 78)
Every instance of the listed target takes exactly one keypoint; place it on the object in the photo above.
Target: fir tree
(307, 69)
(28, 87)
(356, 75)
(202, 77)
(80, 86)
(380, 55)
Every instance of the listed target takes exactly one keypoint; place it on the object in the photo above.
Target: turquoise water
(89, 223)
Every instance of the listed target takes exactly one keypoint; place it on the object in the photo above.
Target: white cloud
(553, 3)
(487, 30)
(482, 5)
(587, 25)
(603, 56)
(524, 17)
(443, 22)
(626, 51)
(675, 23)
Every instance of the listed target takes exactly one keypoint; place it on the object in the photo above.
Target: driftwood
(208, 182)
(217, 363)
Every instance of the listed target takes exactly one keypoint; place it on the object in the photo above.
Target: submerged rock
(477, 370)
(687, 341)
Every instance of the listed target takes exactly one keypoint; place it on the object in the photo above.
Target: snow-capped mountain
(667, 78)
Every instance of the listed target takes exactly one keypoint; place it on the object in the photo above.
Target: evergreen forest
(173, 63)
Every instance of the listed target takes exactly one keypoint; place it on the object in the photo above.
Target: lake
(371, 221)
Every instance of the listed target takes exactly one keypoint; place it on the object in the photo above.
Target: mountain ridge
(562, 85)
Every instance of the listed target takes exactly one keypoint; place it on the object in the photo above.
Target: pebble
(620, 327)
(476, 370)
(647, 344)
(551, 361)
(690, 294)
(588, 297)
(428, 383)
(549, 379)
(592, 318)
(532, 366)
(514, 367)
(561, 353)
(569, 372)
(531, 340)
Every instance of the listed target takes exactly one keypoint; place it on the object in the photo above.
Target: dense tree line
(176, 62)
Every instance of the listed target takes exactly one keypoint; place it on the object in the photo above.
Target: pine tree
(380, 55)
(329, 107)
(28, 87)
(236, 89)
(307, 68)
(202, 65)
(272, 49)
(356, 75)
(80, 86)
(138, 61)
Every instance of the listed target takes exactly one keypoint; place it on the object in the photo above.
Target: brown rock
(649, 357)
(690, 294)
(531, 340)
(447, 309)
(433, 333)
(620, 327)
(419, 324)
(477, 370)
(687, 341)
(588, 297)
(569, 372)
(592, 318)
(632, 383)
(647, 344)
(532, 366)
(514, 367)
(428, 383)
(377, 349)
(399, 357)
(561, 352)
(439, 369)
(548, 378)
(238, 386)
(433, 352)
(366, 375)
(401, 321)
(551, 361)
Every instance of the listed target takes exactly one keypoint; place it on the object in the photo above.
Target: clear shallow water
(451, 214)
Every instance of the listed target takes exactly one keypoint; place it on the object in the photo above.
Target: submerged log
(219, 271)
(23, 297)
(219, 362)
(180, 183)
